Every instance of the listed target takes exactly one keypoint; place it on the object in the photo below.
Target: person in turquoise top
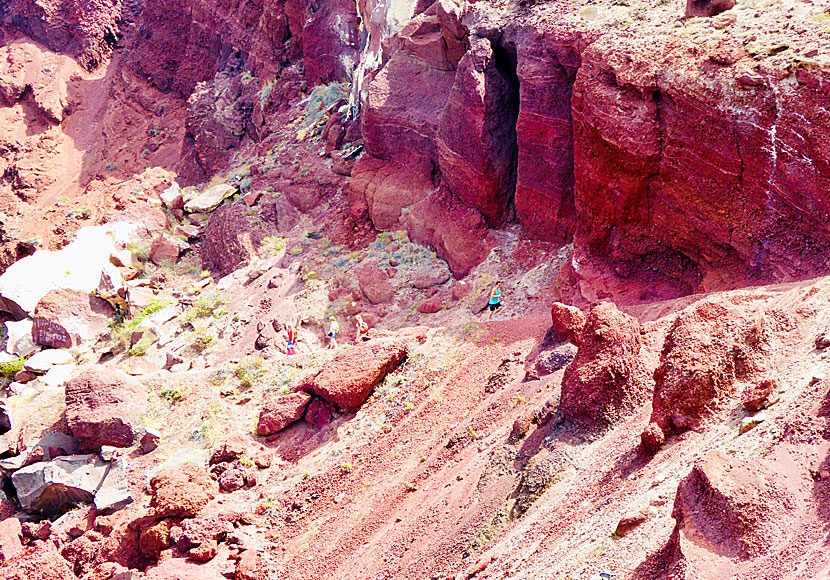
(495, 300)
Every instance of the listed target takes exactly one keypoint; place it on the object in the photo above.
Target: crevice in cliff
(506, 62)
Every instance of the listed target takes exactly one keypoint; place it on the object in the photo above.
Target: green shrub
(273, 245)
(249, 370)
(9, 369)
(140, 347)
(112, 166)
(171, 395)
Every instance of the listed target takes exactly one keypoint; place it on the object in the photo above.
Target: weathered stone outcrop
(231, 239)
(608, 378)
(741, 509)
(710, 350)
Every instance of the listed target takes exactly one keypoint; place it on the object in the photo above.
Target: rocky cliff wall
(693, 149)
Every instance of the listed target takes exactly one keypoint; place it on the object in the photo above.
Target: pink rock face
(743, 508)
(374, 283)
(407, 96)
(547, 65)
(102, 407)
(349, 379)
(182, 569)
(458, 234)
(65, 318)
(182, 491)
(383, 189)
(250, 567)
(279, 413)
(477, 133)
(607, 379)
(330, 41)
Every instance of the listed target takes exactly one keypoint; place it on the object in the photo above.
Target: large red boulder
(231, 238)
(568, 322)
(374, 283)
(349, 379)
(103, 406)
(711, 349)
(279, 413)
(65, 318)
(181, 491)
(608, 378)
(10, 539)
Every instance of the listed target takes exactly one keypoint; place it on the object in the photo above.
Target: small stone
(204, 552)
(749, 422)
(150, 440)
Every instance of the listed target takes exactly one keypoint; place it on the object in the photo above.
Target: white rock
(210, 199)
(172, 195)
(164, 315)
(78, 266)
(46, 359)
(20, 341)
(753, 421)
(124, 258)
(58, 375)
(6, 357)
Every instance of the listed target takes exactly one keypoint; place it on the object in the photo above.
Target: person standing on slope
(495, 300)
(334, 330)
(292, 339)
(361, 329)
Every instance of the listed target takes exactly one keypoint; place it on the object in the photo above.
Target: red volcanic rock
(86, 30)
(652, 438)
(681, 146)
(547, 65)
(103, 406)
(349, 379)
(231, 450)
(458, 234)
(279, 413)
(182, 569)
(10, 539)
(710, 347)
(407, 96)
(318, 413)
(181, 491)
(434, 304)
(166, 248)
(741, 507)
(374, 283)
(250, 567)
(707, 7)
(330, 40)
(477, 133)
(607, 379)
(65, 318)
(384, 188)
(460, 289)
(430, 278)
(219, 115)
(39, 562)
(230, 239)
(755, 397)
(568, 322)
(154, 539)
(203, 552)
